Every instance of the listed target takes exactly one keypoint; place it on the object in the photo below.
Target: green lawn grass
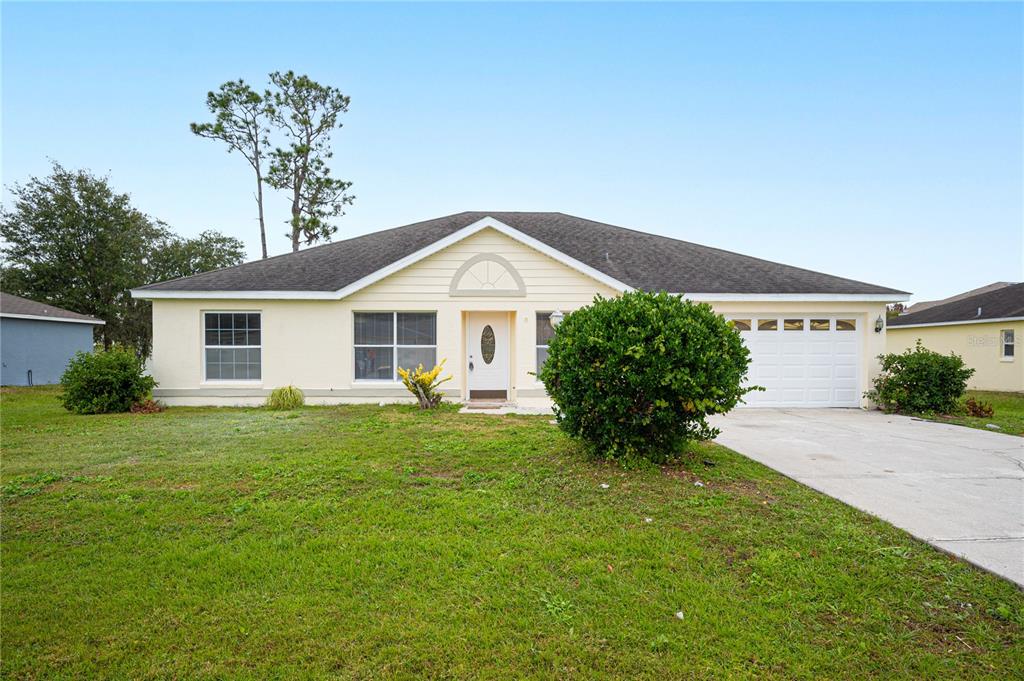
(1008, 412)
(386, 542)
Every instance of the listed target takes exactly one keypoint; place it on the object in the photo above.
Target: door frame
(468, 343)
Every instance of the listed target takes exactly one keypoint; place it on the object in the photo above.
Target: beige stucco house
(478, 290)
(983, 328)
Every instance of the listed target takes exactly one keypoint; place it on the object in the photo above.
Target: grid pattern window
(232, 346)
(385, 341)
(544, 334)
(1007, 341)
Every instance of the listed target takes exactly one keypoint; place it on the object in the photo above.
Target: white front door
(487, 355)
(802, 360)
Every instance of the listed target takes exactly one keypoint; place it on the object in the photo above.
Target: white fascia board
(1000, 320)
(412, 258)
(43, 318)
(797, 297)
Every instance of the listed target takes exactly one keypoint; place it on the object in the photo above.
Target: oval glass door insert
(487, 344)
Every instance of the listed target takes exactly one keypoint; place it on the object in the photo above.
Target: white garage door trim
(800, 362)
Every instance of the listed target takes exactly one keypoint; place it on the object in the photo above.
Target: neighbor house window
(544, 334)
(1006, 336)
(232, 346)
(385, 341)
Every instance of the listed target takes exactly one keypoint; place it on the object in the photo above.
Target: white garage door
(802, 361)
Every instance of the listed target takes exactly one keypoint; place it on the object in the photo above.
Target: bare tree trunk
(259, 204)
(297, 211)
(296, 216)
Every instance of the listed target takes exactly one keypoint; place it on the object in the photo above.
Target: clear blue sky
(879, 142)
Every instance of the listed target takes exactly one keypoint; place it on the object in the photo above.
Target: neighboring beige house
(985, 329)
(479, 290)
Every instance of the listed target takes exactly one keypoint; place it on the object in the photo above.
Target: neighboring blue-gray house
(38, 340)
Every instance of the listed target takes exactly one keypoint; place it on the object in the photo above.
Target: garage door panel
(846, 348)
(846, 371)
(843, 395)
(820, 360)
(820, 348)
(801, 367)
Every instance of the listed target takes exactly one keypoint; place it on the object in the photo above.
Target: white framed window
(385, 341)
(232, 346)
(545, 333)
(1006, 340)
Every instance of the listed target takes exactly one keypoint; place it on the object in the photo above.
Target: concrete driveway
(958, 488)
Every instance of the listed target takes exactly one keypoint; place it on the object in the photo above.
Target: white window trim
(394, 344)
(204, 346)
(1003, 357)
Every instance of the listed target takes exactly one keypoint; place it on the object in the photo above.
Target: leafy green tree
(240, 120)
(306, 113)
(70, 240)
(895, 310)
(175, 257)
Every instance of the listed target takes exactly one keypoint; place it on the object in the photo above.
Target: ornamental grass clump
(425, 384)
(635, 377)
(287, 398)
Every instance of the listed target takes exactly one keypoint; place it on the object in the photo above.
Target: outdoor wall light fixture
(556, 318)
(879, 324)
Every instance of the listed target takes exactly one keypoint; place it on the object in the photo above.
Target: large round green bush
(104, 382)
(636, 376)
(920, 380)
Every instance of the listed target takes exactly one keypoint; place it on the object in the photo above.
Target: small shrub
(920, 380)
(147, 407)
(978, 409)
(425, 384)
(286, 398)
(634, 377)
(104, 382)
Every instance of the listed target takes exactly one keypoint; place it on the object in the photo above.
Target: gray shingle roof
(925, 304)
(1003, 303)
(638, 259)
(16, 305)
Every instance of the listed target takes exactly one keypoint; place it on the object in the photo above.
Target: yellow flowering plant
(424, 384)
